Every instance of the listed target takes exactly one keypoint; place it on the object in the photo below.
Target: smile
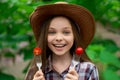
(59, 45)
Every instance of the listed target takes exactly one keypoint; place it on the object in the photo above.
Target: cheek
(50, 39)
(70, 40)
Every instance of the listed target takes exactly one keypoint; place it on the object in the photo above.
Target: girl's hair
(46, 52)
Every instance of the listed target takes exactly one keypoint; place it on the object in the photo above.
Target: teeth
(59, 45)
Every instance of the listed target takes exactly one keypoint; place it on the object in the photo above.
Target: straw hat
(78, 14)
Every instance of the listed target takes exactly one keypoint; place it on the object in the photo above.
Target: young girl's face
(60, 36)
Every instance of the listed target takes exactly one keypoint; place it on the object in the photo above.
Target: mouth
(59, 45)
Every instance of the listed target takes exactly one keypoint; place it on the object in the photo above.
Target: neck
(61, 63)
(66, 58)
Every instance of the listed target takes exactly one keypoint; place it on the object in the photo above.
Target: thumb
(38, 73)
(73, 71)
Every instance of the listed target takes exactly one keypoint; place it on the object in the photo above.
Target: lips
(59, 45)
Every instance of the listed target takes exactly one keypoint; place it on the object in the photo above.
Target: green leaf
(110, 75)
(28, 53)
(8, 54)
(4, 76)
(106, 57)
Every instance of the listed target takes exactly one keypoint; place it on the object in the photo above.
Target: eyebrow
(63, 28)
(67, 27)
(51, 28)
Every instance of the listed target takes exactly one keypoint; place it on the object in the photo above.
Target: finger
(72, 75)
(38, 78)
(38, 73)
(66, 79)
(73, 72)
(69, 76)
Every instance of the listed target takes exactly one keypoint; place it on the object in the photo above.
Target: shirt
(85, 70)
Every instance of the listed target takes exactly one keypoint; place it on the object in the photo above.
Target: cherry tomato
(79, 51)
(37, 51)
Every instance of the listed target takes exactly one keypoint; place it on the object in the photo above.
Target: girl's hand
(72, 75)
(39, 75)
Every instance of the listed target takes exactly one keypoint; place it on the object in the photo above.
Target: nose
(59, 38)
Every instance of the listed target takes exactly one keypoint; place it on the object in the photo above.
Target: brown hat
(78, 14)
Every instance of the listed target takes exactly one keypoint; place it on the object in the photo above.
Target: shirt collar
(49, 67)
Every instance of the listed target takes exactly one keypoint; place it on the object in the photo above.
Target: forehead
(60, 21)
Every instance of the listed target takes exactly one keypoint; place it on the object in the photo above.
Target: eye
(66, 32)
(51, 32)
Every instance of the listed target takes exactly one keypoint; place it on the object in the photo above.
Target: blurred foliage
(102, 52)
(4, 76)
(105, 11)
(16, 35)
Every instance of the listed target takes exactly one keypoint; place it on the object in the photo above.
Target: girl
(59, 29)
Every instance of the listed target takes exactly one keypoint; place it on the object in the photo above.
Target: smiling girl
(59, 29)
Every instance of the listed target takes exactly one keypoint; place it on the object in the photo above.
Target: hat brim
(78, 14)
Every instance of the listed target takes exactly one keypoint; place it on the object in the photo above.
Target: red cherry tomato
(37, 51)
(79, 51)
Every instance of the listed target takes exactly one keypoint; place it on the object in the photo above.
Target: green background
(15, 30)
